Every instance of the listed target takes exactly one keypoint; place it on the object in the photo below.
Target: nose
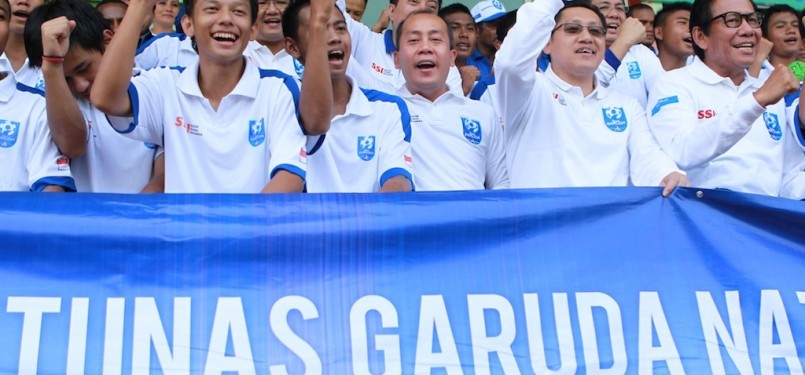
(81, 86)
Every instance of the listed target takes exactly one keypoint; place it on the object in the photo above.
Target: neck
(670, 61)
(585, 82)
(217, 80)
(342, 91)
(736, 75)
(161, 29)
(775, 60)
(15, 50)
(487, 51)
(430, 93)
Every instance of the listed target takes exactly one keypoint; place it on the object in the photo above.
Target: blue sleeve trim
(480, 88)
(317, 146)
(798, 128)
(151, 41)
(66, 182)
(388, 38)
(405, 116)
(290, 83)
(134, 99)
(612, 60)
(30, 89)
(394, 172)
(289, 168)
(543, 61)
(792, 97)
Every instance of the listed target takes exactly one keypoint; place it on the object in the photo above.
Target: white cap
(488, 10)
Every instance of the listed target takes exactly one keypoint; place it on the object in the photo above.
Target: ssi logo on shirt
(615, 119)
(472, 130)
(366, 147)
(634, 70)
(773, 126)
(8, 133)
(257, 132)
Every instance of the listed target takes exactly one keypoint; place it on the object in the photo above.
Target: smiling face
(464, 33)
(673, 36)
(20, 9)
(165, 12)
(783, 31)
(576, 55)
(269, 20)
(615, 13)
(424, 55)
(728, 51)
(221, 29)
(400, 11)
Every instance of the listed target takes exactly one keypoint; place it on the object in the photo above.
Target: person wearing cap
(486, 14)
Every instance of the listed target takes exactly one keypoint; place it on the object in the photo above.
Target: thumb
(71, 24)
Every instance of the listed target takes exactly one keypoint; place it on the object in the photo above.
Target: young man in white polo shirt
(725, 128)
(367, 148)
(31, 162)
(227, 126)
(15, 52)
(457, 142)
(672, 33)
(375, 52)
(67, 38)
(563, 128)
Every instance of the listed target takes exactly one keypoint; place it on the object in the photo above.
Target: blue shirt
(480, 61)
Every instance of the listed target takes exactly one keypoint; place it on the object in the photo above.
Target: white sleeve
(793, 183)
(395, 146)
(147, 56)
(45, 164)
(651, 67)
(674, 123)
(648, 163)
(792, 114)
(608, 68)
(516, 62)
(285, 137)
(454, 81)
(357, 31)
(497, 176)
(146, 93)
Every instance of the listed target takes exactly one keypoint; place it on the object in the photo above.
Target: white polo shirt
(722, 137)
(555, 136)
(254, 134)
(375, 53)
(167, 49)
(635, 73)
(28, 75)
(29, 157)
(365, 147)
(282, 61)
(457, 143)
(113, 162)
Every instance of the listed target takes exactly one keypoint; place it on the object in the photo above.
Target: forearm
(396, 184)
(157, 182)
(284, 182)
(316, 98)
(67, 125)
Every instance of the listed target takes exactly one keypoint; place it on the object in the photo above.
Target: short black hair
(189, 5)
(505, 24)
(399, 29)
(87, 34)
(772, 10)
(635, 7)
(104, 2)
(586, 4)
(662, 16)
(438, 2)
(454, 8)
(701, 16)
(290, 18)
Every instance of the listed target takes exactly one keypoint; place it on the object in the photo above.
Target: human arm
(157, 182)
(649, 165)
(67, 125)
(394, 150)
(110, 90)
(383, 21)
(469, 74)
(285, 182)
(631, 33)
(286, 143)
(396, 184)
(760, 57)
(316, 97)
(48, 170)
(497, 175)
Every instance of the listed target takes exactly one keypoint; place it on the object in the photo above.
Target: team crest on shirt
(773, 126)
(615, 118)
(8, 133)
(366, 147)
(472, 130)
(257, 132)
(298, 68)
(634, 70)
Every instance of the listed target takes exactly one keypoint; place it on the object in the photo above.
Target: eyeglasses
(281, 4)
(620, 8)
(735, 19)
(573, 29)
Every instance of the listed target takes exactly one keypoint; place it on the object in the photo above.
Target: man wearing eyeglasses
(563, 128)
(725, 128)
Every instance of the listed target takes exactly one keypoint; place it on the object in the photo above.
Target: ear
(453, 55)
(658, 33)
(498, 44)
(392, 8)
(699, 38)
(293, 49)
(187, 25)
(107, 37)
(397, 60)
(547, 48)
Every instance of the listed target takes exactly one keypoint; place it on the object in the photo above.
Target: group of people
(296, 95)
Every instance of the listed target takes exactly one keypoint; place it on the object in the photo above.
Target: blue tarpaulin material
(605, 281)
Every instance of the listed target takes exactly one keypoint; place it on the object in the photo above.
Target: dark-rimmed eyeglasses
(596, 31)
(735, 19)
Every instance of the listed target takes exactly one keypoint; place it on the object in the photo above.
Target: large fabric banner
(566, 281)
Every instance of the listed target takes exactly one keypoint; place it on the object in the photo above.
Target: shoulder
(165, 39)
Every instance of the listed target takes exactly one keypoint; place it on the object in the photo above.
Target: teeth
(584, 50)
(335, 54)
(224, 36)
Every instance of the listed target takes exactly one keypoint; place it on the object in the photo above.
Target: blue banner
(567, 281)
